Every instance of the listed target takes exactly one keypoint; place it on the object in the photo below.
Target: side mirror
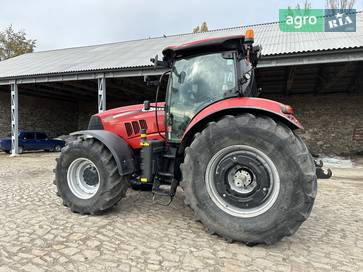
(155, 61)
(159, 63)
(146, 105)
(255, 55)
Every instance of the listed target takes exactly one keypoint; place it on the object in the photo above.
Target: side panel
(120, 150)
(117, 122)
(245, 103)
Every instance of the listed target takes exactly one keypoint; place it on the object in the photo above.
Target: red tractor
(245, 173)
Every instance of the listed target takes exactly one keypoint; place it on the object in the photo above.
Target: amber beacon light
(250, 35)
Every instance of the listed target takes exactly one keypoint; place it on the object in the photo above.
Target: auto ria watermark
(317, 20)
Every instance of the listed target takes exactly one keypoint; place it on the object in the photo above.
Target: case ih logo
(317, 20)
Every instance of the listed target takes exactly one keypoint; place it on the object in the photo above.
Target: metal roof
(135, 55)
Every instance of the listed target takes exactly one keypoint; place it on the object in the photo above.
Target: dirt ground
(37, 233)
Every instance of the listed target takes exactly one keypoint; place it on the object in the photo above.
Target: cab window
(195, 83)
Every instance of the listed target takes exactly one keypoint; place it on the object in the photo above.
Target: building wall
(329, 121)
(51, 116)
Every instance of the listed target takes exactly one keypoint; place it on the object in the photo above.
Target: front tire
(249, 178)
(87, 177)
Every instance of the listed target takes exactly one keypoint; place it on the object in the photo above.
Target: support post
(101, 94)
(14, 120)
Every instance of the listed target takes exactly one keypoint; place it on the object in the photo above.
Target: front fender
(237, 105)
(120, 150)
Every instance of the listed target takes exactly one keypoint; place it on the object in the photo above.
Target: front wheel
(87, 177)
(250, 179)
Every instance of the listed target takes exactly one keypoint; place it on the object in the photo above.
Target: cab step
(164, 191)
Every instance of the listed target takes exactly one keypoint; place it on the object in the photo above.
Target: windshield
(195, 83)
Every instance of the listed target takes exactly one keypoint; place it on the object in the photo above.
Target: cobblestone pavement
(38, 234)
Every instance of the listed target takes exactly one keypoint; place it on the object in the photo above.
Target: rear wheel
(87, 177)
(249, 179)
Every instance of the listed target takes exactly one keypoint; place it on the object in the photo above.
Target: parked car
(29, 140)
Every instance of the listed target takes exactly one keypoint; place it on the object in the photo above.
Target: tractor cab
(204, 72)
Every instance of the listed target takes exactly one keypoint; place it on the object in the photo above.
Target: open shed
(320, 74)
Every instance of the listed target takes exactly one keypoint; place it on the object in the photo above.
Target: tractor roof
(210, 45)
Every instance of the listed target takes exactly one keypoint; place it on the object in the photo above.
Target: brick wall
(39, 114)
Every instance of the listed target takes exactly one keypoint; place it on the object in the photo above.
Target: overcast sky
(68, 23)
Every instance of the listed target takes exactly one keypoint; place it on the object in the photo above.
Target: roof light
(249, 36)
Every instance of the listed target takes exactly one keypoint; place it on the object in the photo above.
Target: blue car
(29, 140)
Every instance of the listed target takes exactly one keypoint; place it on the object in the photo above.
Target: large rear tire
(249, 178)
(87, 177)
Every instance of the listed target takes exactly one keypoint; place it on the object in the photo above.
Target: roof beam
(52, 97)
(329, 56)
(51, 93)
(69, 89)
(84, 75)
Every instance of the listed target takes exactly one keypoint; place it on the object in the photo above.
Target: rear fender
(120, 150)
(234, 106)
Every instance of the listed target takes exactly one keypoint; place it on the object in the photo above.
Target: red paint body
(114, 120)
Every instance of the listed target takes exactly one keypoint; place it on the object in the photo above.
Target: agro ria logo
(340, 21)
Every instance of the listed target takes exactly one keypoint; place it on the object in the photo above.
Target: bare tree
(306, 5)
(340, 4)
(303, 7)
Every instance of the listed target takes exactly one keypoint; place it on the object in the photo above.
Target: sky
(70, 23)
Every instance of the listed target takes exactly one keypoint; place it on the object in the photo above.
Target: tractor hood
(127, 122)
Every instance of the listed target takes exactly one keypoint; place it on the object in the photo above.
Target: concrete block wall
(54, 117)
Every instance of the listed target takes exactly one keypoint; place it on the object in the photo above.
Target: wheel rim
(242, 181)
(83, 178)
